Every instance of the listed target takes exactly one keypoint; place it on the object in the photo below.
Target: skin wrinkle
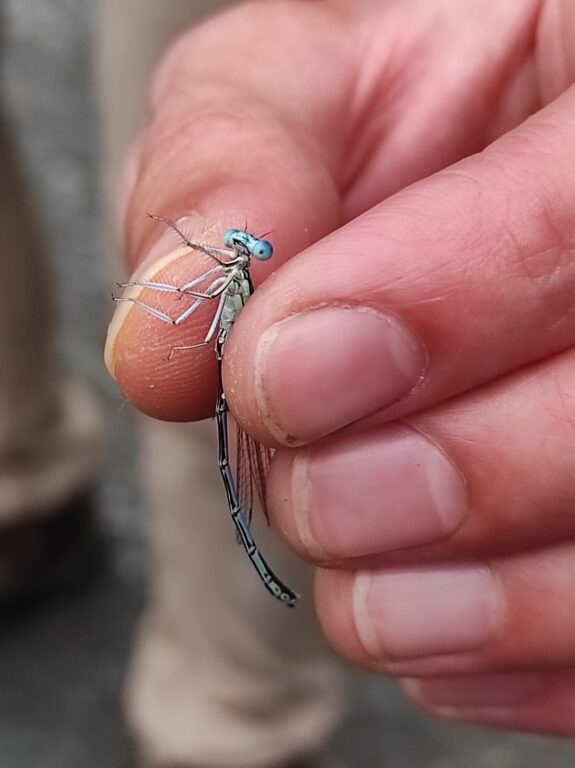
(555, 33)
(202, 66)
(232, 120)
(533, 266)
(477, 107)
(366, 96)
(518, 101)
(476, 238)
(551, 265)
(565, 398)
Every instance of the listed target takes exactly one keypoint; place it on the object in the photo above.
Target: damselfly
(230, 286)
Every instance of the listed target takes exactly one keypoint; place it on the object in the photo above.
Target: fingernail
(377, 491)
(476, 691)
(167, 249)
(425, 611)
(318, 371)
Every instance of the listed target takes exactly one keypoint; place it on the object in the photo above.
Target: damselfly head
(243, 242)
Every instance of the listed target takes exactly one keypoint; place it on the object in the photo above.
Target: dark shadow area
(61, 672)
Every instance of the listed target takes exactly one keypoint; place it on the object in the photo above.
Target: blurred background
(62, 665)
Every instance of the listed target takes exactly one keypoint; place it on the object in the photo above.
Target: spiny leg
(208, 250)
(157, 286)
(150, 310)
(162, 315)
(210, 333)
(215, 290)
(151, 284)
(172, 225)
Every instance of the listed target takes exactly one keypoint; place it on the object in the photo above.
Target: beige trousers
(222, 675)
(48, 424)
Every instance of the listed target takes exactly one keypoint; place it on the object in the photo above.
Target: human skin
(412, 355)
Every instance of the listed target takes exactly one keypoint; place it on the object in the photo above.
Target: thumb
(223, 147)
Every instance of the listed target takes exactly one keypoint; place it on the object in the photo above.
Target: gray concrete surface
(61, 669)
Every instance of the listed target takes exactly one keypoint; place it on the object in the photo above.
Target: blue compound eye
(229, 237)
(262, 249)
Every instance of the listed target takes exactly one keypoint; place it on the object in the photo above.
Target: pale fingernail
(476, 691)
(318, 371)
(377, 491)
(428, 611)
(167, 249)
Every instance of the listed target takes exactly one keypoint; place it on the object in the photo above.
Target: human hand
(416, 363)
